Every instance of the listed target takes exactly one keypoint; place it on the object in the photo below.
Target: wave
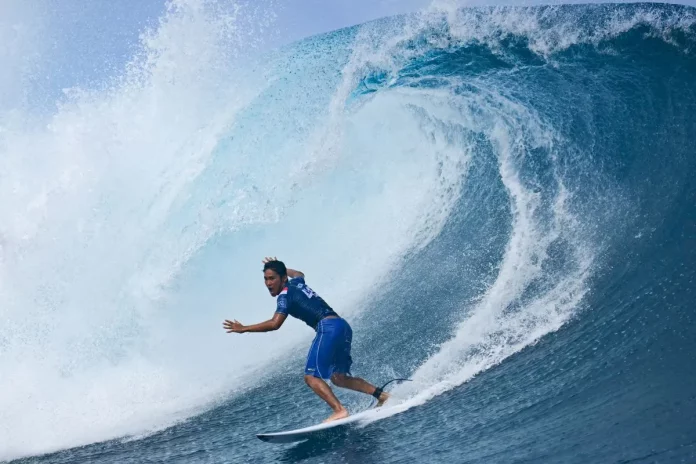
(422, 167)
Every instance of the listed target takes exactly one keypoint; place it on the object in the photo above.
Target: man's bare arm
(267, 326)
(292, 273)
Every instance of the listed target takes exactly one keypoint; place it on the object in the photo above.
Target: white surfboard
(292, 436)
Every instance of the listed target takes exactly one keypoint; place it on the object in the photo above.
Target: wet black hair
(277, 266)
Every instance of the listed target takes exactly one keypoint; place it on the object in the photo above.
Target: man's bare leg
(322, 389)
(358, 384)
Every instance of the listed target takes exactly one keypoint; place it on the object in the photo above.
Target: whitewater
(500, 200)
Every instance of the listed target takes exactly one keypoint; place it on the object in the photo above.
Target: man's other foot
(342, 414)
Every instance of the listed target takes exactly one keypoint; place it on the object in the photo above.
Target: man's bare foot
(382, 399)
(342, 414)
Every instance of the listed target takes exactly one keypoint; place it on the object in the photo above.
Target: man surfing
(329, 355)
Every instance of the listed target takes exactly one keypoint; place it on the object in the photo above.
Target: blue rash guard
(300, 301)
(330, 350)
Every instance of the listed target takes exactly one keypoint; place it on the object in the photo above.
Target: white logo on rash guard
(307, 291)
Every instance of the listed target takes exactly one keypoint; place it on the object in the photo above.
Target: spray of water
(116, 206)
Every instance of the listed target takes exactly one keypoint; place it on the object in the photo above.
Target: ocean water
(501, 201)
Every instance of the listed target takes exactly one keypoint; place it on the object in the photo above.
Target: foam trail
(506, 319)
(503, 322)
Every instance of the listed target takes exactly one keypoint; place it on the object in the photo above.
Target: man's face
(274, 283)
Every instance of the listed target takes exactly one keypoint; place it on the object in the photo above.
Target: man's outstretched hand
(233, 326)
(267, 259)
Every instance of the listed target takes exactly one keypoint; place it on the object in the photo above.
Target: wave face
(500, 200)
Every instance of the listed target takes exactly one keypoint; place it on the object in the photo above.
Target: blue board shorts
(330, 350)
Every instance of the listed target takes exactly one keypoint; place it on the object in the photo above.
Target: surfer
(329, 355)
